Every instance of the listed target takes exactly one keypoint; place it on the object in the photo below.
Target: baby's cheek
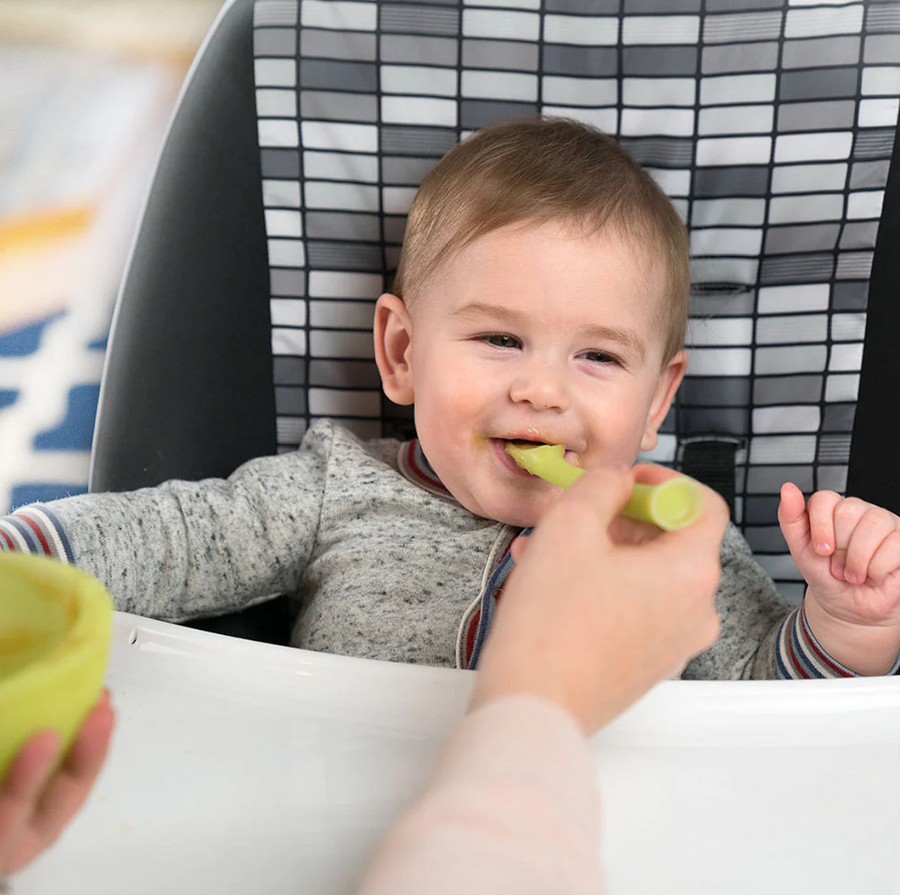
(622, 436)
(459, 394)
(454, 412)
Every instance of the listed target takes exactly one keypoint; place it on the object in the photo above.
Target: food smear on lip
(675, 503)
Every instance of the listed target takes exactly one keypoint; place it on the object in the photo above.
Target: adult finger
(692, 557)
(30, 767)
(653, 473)
(20, 790)
(630, 531)
(715, 509)
(68, 788)
(518, 547)
(708, 529)
(592, 502)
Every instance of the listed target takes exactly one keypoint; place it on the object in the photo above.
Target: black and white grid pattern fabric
(769, 123)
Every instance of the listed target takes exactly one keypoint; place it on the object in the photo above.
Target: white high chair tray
(240, 767)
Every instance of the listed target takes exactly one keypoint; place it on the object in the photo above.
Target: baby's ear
(393, 348)
(669, 380)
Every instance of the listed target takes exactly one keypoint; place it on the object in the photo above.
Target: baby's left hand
(849, 553)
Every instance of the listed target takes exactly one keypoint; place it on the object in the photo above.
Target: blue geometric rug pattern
(50, 373)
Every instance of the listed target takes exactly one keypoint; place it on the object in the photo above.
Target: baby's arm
(188, 549)
(848, 551)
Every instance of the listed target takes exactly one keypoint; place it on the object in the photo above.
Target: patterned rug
(49, 386)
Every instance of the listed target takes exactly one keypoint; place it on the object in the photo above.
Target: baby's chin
(520, 521)
(518, 516)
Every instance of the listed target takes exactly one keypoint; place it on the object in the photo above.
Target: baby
(542, 295)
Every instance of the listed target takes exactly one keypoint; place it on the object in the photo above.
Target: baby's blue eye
(502, 340)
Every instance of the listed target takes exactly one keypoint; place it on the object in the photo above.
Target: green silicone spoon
(675, 503)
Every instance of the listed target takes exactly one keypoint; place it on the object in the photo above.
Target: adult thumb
(597, 497)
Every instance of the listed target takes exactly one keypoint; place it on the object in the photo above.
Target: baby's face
(541, 334)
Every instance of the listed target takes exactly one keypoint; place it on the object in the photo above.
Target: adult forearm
(512, 808)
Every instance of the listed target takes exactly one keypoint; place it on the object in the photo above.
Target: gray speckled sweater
(380, 563)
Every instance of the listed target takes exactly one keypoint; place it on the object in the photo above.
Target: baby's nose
(543, 389)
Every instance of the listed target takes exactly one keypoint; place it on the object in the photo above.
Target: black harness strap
(712, 462)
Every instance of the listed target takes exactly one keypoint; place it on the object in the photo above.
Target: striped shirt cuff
(35, 529)
(800, 656)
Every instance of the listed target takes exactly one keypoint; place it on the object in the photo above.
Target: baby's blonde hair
(535, 170)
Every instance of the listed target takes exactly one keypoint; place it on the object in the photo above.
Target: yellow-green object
(55, 625)
(545, 461)
(675, 503)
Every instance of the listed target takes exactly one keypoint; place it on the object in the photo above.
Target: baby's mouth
(570, 456)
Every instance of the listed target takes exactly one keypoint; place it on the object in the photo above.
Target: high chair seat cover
(279, 207)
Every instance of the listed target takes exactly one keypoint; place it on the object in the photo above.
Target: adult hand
(37, 803)
(600, 608)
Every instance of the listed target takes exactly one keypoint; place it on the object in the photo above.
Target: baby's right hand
(600, 608)
(35, 806)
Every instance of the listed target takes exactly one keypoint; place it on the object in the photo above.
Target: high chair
(278, 208)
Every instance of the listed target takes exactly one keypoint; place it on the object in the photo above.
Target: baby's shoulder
(345, 445)
(734, 543)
